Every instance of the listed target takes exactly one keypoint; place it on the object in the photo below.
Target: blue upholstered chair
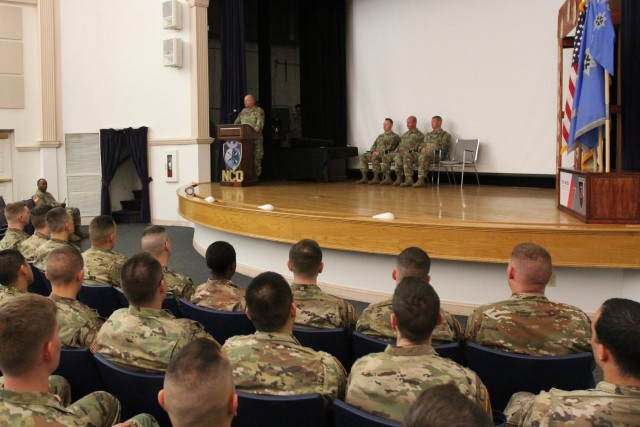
(100, 297)
(260, 410)
(346, 415)
(79, 367)
(220, 324)
(169, 302)
(334, 341)
(41, 285)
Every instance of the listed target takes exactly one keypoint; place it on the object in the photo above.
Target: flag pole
(607, 122)
(599, 151)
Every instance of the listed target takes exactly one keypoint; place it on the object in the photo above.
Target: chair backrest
(41, 285)
(346, 415)
(220, 324)
(258, 410)
(459, 147)
(505, 373)
(334, 341)
(136, 390)
(100, 297)
(79, 367)
(362, 344)
(453, 351)
(169, 303)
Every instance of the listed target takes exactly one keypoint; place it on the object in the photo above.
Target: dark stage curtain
(234, 68)
(110, 145)
(323, 65)
(629, 69)
(137, 140)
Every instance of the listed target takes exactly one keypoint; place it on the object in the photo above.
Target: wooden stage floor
(476, 223)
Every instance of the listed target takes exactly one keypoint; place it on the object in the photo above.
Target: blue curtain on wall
(234, 68)
(110, 145)
(137, 140)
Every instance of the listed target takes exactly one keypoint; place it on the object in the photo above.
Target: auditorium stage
(469, 234)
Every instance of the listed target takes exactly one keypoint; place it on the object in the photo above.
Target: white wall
(488, 67)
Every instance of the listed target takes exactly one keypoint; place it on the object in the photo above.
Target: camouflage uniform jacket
(44, 198)
(276, 363)
(529, 323)
(30, 246)
(606, 405)
(386, 384)
(375, 321)
(411, 141)
(102, 266)
(7, 292)
(253, 117)
(437, 140)
(220, 295)
(12, 239)
(385, 143)
(180, 286)
(40, 260)
(79, 324)
(318, 309)
(145, 338)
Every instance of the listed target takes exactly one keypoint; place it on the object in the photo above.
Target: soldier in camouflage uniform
(15, 274)
(253, 116)
(316, 308)
(386, 384)
(30, 246)
(155, 240)
(144, 336)
(437, 139)
(616, 400)
(528, 322)
(404, 155)
(61, 226)
(219, 292)
(272, 361)
(79, 324)
(101, 264)
(17, 215)
(28, 326)
(375, 320)
(385, 143)
(43, 197)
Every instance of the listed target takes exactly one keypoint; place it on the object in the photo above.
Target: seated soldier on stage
(143, 336)
(403, 157)
(386, 384)
(316, 308)
(219, 292)
(17, 215)
(616, 400)
(15, 274)
(272, 361)
(155, 240)
(79, 324)
(101, 264)
(43, 197)
(29, 353)
(30, 246)
(528, 322)
(61, 226)
(385, 143)
(435, 140)
(375, 320)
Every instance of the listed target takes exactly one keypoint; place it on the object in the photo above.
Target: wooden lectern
(237, 155)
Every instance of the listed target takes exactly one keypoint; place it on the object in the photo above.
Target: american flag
(566, 121)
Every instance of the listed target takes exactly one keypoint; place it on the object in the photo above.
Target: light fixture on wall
(171, 15)
(172, 51)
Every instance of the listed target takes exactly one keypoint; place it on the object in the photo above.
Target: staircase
(131, 209)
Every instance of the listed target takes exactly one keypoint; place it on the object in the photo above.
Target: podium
(237, 155)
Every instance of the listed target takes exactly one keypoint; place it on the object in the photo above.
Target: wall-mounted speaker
(172, 51)
(171, 15)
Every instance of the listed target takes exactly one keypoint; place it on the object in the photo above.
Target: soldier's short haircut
(100, 228)
(63, 264)
(153, 239)
(412, 119)
(413, 262)
(534, 263)
(305, 257)
(57, 218)
(416, 306)
(38, 215)
(13, 210)
(40, 180)
(445, 406)
(437, 118)
(10, 262)
(387, 118)
(140, 277)
(198, 384)
(618, 329)
(269, 299)
(220, 256)
(27, 322)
